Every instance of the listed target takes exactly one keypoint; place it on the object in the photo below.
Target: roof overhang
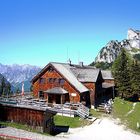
(56, 90)
(107, 85)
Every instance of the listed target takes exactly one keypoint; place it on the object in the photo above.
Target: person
(105, 108)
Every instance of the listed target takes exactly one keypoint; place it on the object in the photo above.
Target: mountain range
(16, 74)
(112, 49)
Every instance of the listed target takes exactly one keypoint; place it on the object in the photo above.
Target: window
(42, 80)
(61, 81)
(50, 80)
(41, 95)
(56, 81)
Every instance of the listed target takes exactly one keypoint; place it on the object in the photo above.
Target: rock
(110, 52)
(138, 125)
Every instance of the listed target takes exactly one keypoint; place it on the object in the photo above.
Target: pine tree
(0, 89)
(8, 89)
(18, 90)
(121, 73)
(135, 78)
(3, 86)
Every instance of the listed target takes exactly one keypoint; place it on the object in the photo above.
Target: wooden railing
(83, 111)
(65, 109)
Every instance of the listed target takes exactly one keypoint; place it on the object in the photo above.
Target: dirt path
(103, 130)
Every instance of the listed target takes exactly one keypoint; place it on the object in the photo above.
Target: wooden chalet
(59, 83)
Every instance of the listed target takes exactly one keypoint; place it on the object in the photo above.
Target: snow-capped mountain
(110, 52)
(16, 74)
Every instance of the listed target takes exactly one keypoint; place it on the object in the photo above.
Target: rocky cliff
(110, 52)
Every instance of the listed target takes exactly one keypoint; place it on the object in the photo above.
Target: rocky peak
(112, 49)
(109, 52)
(133, 34)
(134, 38)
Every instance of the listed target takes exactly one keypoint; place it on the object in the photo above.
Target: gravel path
(13, 132)
(99, 130)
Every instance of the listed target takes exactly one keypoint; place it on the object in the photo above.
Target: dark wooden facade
(55, 76)
(40, 120)
(95, 89)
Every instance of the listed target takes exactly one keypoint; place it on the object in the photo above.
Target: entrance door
(50, 98)
(58, 99)
(41, 94)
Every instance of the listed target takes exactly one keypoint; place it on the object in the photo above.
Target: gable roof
(86, 75)
(81, 73)
(65, 71)
(107, 75)
(76, 74)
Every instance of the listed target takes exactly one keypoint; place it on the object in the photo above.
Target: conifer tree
(8, 89)
(135, 78)
(121, 73)
(0, 89)
(3, 86)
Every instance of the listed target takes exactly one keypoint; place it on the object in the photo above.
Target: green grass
(77, 121)
(120, 110)
(70, 121)
(121, 107)
(15, 125)
(96, 114)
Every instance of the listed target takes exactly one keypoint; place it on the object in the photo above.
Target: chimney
(81, 64)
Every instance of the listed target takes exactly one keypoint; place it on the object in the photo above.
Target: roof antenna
(69, 61)
(67, 54)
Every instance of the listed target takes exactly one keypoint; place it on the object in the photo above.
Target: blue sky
(39, 31)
